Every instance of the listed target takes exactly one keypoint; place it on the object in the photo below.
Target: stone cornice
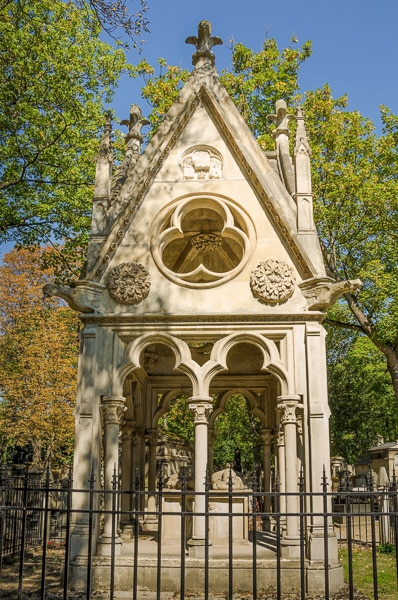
(123, 321)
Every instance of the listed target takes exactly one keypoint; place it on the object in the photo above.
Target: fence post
(46, 515)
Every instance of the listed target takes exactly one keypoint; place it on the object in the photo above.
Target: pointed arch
(271, 358)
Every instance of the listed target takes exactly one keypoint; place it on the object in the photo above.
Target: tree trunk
(389, 351)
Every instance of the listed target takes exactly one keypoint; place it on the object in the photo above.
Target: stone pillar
(289, 406)
(127, 478)
(280, 445)
(266, 435)
(86, 455)
(113, 408)
(319, 449)
(201, 408)
(210, 453)
(151, 519)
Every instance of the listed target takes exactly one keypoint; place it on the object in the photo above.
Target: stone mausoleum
(204, 278)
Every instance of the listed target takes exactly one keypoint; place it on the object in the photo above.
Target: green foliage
(360, 394)
(258, 79)
(237, 428)
(160, 90)
(355, 179)
(356, 206)
(386, 548)
(179, 419)
(56, 78)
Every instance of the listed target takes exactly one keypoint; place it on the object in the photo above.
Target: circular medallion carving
(272, 281)
(129, 283)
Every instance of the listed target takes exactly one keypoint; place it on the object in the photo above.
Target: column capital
(128, 428)
(113, 408)
(201, 410)
(267, 436)
(152, 436)
(290, 408)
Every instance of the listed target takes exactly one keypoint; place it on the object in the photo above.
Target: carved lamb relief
(202, 163)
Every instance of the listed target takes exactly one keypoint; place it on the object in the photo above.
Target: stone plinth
(219, 522)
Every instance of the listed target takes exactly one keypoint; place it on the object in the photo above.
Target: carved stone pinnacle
(204, 43)
(135, 123)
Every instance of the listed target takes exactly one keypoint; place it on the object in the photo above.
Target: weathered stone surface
(204, 279)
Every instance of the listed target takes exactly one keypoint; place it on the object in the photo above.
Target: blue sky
(355, 43)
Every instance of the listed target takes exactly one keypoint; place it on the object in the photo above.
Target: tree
(237, 429)
(114, 16)
(359, 384)
(355, 178)
(56, 78)
(38, 365)
(356, 191)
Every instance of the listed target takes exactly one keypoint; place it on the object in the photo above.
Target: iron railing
(37, 517)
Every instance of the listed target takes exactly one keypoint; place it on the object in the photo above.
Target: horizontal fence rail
(38, 517)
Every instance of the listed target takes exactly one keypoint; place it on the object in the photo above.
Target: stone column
(127, 478)
(151, 519)
(266, 435)
(113, 408)
(210, 453)
(201, 408)
(280, 447)
(318, 436)
(289, 406)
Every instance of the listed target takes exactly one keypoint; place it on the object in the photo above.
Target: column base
(104, 545)
(290, 546)
(196, 547)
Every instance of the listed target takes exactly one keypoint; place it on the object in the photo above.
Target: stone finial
(302, 144)
(281, 118)
(133, 140)
(204, 43)
(135, 124)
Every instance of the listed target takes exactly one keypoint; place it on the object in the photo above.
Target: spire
(133, 140)
(204, 43)
(302, 144)
(302, 153)
(104, 162)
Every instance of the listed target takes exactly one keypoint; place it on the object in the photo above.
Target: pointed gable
(203, 214)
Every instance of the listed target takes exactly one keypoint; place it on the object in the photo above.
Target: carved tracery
(202, 241)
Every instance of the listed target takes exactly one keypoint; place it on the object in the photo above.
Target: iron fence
(37, 520)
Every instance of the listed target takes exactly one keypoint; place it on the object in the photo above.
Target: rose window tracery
(201, 241)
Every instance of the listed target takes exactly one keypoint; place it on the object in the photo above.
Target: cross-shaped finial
(204, 42)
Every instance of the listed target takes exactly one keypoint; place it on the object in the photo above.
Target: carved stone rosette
(272, 281)
(129, 283)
